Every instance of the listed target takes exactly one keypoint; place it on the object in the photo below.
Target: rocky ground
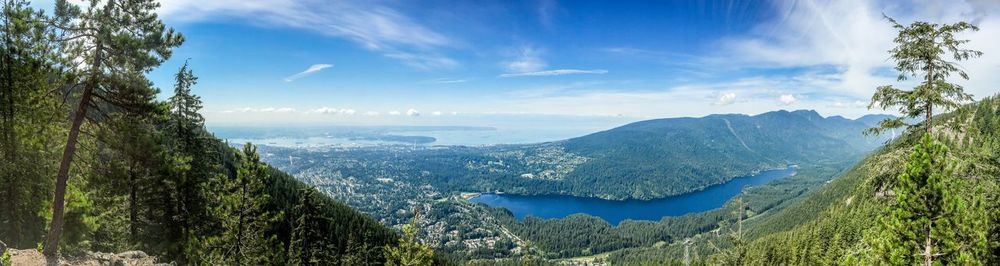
(31, 257)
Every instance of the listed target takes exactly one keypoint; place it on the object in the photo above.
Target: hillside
(663, 157)
(834, 224)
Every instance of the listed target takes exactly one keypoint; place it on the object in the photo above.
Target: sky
(278, 62)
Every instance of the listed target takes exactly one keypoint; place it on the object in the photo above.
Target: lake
(613, 211)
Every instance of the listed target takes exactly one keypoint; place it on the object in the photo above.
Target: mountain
(664, 157)
(873, 120)
(837, 223)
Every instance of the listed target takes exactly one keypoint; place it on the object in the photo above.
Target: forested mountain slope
(93, 161)
(663, 157)
(840, 222)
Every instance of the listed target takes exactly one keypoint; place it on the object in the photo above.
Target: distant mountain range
(663, 157)
(642, 160)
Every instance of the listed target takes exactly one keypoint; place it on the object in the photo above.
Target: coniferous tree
(737, 252)
(409, 252)
(197, 172)
(246, 239)
(111, 46)
(931, 220)
(920, 49)
(28, 116)
(360, 252)
(309, 245)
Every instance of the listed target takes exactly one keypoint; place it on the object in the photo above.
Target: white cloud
(324, 110)
(375, 27)
(852, 37)
(309, 71)
(394, 112)
(843, 104)
(436, 113)
(412, 112)
(787, 99)
(555, 72)
(371, 113)
(726, 99)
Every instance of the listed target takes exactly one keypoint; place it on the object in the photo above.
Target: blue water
(553, 206)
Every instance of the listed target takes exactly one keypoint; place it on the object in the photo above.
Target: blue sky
(468, 62)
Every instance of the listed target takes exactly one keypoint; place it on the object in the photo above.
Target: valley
(395, 183)
(499, 133)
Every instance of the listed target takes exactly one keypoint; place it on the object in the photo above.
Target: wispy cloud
(528, 59)
(445, 81)
(853, 37)
(309, 71)
(423, 61)
(375, 27)
(555, 72)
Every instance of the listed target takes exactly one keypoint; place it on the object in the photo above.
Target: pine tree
(932, 221)
(112, 46)
(409, 252)
(919, 51)
(27, 129)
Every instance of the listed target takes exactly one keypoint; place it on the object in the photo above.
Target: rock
(129, 258)
(133, 254)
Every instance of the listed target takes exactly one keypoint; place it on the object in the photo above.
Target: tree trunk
(928, 249)
(927, 122)
(133, 209)
(929, 108)
(58, 202)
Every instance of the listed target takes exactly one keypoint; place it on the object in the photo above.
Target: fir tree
(932, 221)
(246, 239)
(309, 245)
(409, 252)
(920, 49)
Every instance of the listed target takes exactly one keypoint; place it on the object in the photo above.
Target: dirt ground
(30, 257)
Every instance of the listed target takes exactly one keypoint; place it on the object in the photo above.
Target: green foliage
(919, 51)
(29, 135)
(409, 252)
(309, 246)
(931, 220)
(147, 175)
(5, 257)
(245, 222)
(664, 157)
(107, 51)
